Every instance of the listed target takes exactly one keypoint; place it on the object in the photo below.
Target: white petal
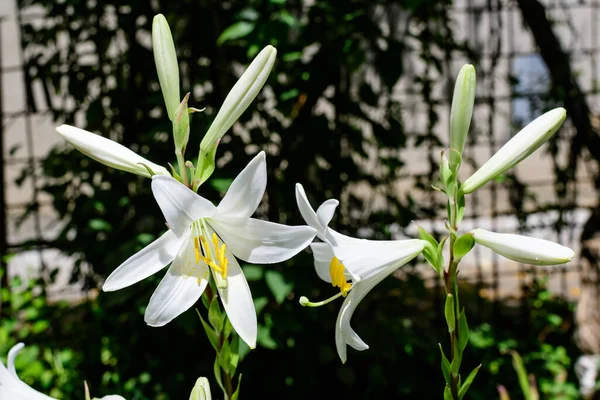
(238, 303)
(145, 262)
(181, 287)
(246, 190)
(364, 258)
(179, 205)
(108, 152)
(524, 249)
(326, 210)
(308, 213)
(344, 334)
(12, 355)
(11, 387)
(323, 254)
(263, 242)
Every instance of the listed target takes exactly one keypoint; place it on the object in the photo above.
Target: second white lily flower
(340, 258)
(203, 239)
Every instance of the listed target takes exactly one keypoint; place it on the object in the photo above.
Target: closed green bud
(528, 140)
(165, 59)
(181, 125)
(462, 110)
(201, 390)
(236, 102)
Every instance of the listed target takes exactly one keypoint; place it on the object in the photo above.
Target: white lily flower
(341, 258)
(203, 239)
(11, 387)
(528, 140)
(524, 249)
(108, 152)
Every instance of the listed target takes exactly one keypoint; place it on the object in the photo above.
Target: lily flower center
(338, 277)
(213, 254)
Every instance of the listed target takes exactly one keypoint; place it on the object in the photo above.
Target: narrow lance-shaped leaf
(214, 315)
(463, 246)
(463, 330)
(449, 313)
(210, 332)
(445, 365)
(465, 386)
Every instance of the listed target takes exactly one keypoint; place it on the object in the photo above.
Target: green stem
(182, 167)
(227, 379)
(451, 287)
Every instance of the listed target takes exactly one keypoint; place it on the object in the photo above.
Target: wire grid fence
(512, 84)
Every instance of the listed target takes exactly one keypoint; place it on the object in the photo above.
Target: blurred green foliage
(325, 114)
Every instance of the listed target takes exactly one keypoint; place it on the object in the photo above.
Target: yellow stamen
(219, 262)
(197, 249)
(338, 278)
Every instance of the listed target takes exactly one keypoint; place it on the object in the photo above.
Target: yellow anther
(197, 249)
(219, 262)
(338, 277)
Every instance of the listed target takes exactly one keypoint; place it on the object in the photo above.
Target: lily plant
(354, 266)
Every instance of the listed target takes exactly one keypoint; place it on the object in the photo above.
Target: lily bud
(518, 148)
(236, 102)
(462, 110)
(524, 249)
(165, 59)
(201, 390)
(108, 152)
(181, 125)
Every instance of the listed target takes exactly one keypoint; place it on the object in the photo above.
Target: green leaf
(236, 31)
(465, 386)
(447, 393)
(424, 235)
(217, 371)
(205, 301)
(210, 332)
(455, 364)
(234, 356)
(278, 286)
(461, 207)
(463, 246)
(228, 328)
(236, 394)
(449, 313)
(445, 365)
(215, 317)
(463, 330)
(224, 357)
(519, 367)
(205, 166)
(430, 252)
